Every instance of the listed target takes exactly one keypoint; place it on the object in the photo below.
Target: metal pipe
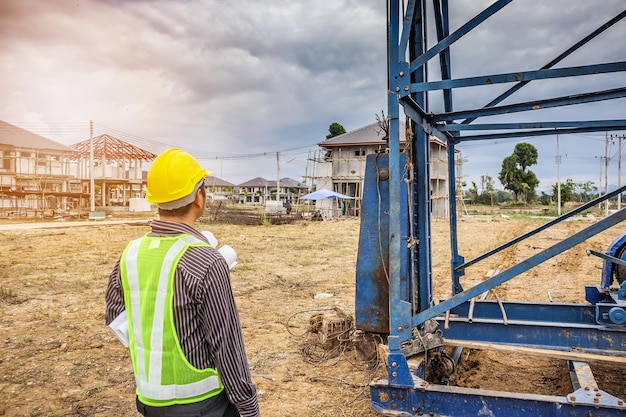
(470, 313)
(505, 321)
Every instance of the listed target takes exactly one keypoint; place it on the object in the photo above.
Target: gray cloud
(248, 76)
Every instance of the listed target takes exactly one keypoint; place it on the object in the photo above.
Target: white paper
(229, 254)
(211, 238)
(120, 327)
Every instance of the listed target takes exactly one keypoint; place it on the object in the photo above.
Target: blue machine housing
(609, 267)
(372, 268)
(609, 300)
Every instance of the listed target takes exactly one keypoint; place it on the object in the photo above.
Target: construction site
(414, 308)
(43, 179)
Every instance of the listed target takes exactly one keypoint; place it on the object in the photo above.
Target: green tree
(503, 196)
(567, 191)
(472, 193)
(335, 129)
(514, 175)
(526, 155)
(586, 191)
(545, 199)
(487, 188)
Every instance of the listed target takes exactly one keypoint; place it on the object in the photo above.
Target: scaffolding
(46, 182)
(342, 169)
(36, 182)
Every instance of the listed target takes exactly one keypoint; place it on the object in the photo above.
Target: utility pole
(277, 176)
(606, 174)
(619, 170)
(600, 182)
(92, 191)
(558, 176)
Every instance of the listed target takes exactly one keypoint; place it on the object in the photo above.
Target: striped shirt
(205, 315)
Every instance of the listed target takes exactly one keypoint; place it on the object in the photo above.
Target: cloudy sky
(237, 83)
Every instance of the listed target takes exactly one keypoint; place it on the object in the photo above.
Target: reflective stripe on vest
(149, 383)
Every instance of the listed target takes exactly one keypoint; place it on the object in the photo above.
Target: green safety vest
(163, 374)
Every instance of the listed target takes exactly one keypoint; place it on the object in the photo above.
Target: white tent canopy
(324, 193)
(327, 202)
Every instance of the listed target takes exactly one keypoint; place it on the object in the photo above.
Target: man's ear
(199, 201)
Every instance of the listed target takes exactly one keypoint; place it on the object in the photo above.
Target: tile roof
(371, 134)
(262, 182)
(214, 181)
(21, 138)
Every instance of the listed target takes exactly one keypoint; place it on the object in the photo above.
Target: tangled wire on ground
(331, 335)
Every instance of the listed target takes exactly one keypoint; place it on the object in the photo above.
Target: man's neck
(190, 220)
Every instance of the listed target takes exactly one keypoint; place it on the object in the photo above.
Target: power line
(62, 128)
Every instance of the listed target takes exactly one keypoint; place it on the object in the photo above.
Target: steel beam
(555, 326)
(602, 124)
(423, 398)
(543, 227)
(569, 100)
(522, 267)
(512, 77)
(556, 60)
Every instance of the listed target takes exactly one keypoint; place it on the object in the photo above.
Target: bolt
(394, 406)
(406, 88)
(394, 374)
(587, 388)
(401, 397)
(620, 402)
(596, 400)
(406, 325)
(397, 88)
(424, 383)
(393, 396)
(400, 329)
(401, 73)
(394, 364)
(598, 394)
(572, 398)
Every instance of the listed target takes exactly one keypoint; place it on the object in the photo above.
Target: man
(173, 288)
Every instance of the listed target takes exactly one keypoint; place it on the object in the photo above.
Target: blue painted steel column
(443, 31)
(421, 146)
(398, 78)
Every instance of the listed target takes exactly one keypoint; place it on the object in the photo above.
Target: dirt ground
(57, 358)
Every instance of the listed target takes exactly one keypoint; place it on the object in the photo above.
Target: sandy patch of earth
(57, 358)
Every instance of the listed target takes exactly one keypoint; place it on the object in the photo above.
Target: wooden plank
(558, 354)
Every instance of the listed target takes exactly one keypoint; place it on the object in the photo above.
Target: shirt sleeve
(114, 295)
(220, 318)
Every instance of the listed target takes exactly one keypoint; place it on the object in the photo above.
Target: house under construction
(340, 166)
(118, 173)
(35, 174)
(43, 178)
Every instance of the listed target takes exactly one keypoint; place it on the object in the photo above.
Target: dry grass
(57, 358)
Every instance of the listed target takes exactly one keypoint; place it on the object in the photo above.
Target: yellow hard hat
(173, 179)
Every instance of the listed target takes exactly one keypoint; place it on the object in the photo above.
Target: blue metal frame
(424, 398)
(554, 326)
(410, 288)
